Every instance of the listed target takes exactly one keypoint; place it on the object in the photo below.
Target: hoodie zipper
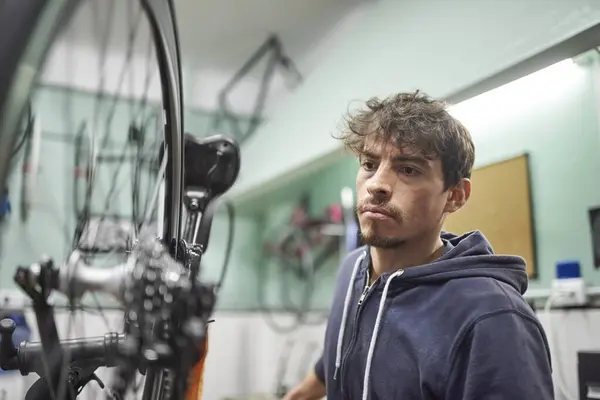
(352, 342)
(364, 292)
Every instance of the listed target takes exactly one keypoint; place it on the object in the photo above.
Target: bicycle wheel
(28, 29)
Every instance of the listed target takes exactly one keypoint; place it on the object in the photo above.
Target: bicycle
(166, 306)
(299, 249)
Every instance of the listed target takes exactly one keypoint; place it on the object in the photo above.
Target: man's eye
(410, 171)
(368, 165)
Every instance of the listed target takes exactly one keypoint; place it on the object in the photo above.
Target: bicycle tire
(27, 30)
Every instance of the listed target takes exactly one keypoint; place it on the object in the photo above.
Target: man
(419, 313)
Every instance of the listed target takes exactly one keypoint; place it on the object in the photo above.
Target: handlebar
(103, 349)
(29, 356)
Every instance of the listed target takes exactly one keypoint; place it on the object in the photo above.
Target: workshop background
(524, 77)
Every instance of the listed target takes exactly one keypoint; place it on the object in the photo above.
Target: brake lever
(82, 372)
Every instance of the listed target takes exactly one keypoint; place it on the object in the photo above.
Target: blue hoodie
(455, 329)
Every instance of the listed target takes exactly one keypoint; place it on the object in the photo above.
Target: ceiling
(218, 34)
(222, 34)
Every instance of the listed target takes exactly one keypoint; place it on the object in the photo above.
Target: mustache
(385, 208)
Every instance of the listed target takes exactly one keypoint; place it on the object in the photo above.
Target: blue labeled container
(568, 269)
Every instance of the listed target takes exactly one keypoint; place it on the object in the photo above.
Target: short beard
(381, 242)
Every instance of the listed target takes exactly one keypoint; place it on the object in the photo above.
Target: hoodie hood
(465, 256)
(468, 255)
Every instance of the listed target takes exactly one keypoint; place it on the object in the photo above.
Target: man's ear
(458, 196)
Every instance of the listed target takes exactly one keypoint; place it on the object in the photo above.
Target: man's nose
(379, 186)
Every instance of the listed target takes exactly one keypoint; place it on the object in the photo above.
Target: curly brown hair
(417, 121)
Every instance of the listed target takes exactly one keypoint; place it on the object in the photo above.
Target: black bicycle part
(8, 352)
(138, 138)
(41, 390)
(87, 354)
(25, 135)
(195, 252)
(163, 21)
(211, 165)
(54, 365)
(82, 168)
(169, 314)
(179, 325)
(80, 374)
(28, 168)
(102, 349)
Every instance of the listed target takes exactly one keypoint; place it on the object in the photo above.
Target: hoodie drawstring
(340, 339)
(365, 393)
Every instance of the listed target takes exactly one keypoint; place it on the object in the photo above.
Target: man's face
(401, 195)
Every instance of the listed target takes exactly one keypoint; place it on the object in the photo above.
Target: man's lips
(373, 212)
